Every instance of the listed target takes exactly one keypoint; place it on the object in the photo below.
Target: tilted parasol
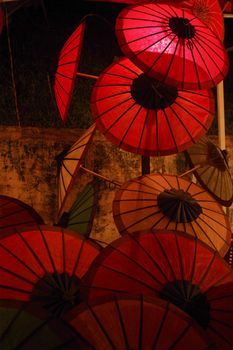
(211, 169)
(27, 327)
(135, 322)
(69, 163)
(172, 45)
(174, 267)
(159, 201)
(142, 115)
(45, 265)
(16, 214)
(81, 215)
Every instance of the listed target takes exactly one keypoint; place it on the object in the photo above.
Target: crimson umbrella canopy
(69, 163)
(172, 45)
(159, 201)
(67, 67)
(136, 322)
(16, 214)
(1, 19)
(81, 215)
(45, 265)
(211, 169)
(27, 327)
(172, 266)
(141, 115)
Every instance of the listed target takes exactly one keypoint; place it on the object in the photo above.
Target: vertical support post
(221, 116)
(145, 165)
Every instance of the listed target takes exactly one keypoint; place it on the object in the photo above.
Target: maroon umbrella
(174, 267)
(45, 265)
(172, 45)
(142, 115)
(16, 214)
(135, 322)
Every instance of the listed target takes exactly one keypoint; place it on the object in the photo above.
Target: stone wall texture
(28, 170)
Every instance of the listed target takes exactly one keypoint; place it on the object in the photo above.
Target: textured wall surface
(29, 171)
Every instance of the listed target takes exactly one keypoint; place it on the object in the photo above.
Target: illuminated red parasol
(69, 163)
(175, 267)
(16, 214)
(1, 19)
(45, 265)
(142, 115)
(211, 169)
(135, 322)
(172, 45)
(159, 201)
(27, 327)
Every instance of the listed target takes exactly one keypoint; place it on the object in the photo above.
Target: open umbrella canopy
(1, 19)
(45, 265)
(135, 322)
(172, 45)
(69, 163)
(81, 215)
(16, 214)
(26, 327)
(159, 201)
(142, 115)
(67, 66)
(213, 172)
(174, 267)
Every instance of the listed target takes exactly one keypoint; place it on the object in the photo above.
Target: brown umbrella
(159, 201)
(211, 170)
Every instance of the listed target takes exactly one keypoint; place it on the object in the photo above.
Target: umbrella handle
(99, 176)
(190, 170)
(79, 74)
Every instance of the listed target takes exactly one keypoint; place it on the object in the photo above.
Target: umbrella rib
(208, 237)
(143, 130)
(171, 131)
(139, 221)
(67, 63)
(10, 272)
(221, 335)
(76, 265)
(193, 102)
(58, 96)
(69, 43)
(105, 333)
(113, 107)
(121, 323)
(15, 289)
(48, 250)
(82, 199)
(67, 53)
(161, 326)
(180, 336)
(58, 85)
(16, 211)
(11, 323)
(140, 338)
(166, 74)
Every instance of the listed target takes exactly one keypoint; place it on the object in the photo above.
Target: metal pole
(221, 116)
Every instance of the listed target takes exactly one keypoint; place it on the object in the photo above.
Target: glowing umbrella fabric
(16, 214)
(175, 267)
(67, 67)
(81, 215)
(213, 173)
(24, 326)
(142, 115)
(1, 19)
(135, 322)
(69, 163)
(159, 201)
(172, 45)
(45, 265)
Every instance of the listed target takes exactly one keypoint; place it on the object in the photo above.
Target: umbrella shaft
(99, 176)
(190, 170)
(87, 75)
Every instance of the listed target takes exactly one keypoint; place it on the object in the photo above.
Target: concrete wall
(29, 171)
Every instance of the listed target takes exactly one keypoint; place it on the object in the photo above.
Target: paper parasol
(135, 322)
(16, 214)
(159, 201)
(142, 115)
(174, 267)
(172, 45)
(211, 170)
(45, 265)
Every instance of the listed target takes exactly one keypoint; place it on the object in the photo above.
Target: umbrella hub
(182, 27)
(152, 94)
(57, 292)
(216, 157)
(179, 205)
(188, 297)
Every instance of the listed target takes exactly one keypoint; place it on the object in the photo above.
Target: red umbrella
(174, 267)
(172, 45)
(135, 322)
(142, 115)
(45, 265)
(1, 19)
(16, 214)
(159, 201)
(65, 76)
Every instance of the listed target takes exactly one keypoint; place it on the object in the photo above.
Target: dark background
(38, 35)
